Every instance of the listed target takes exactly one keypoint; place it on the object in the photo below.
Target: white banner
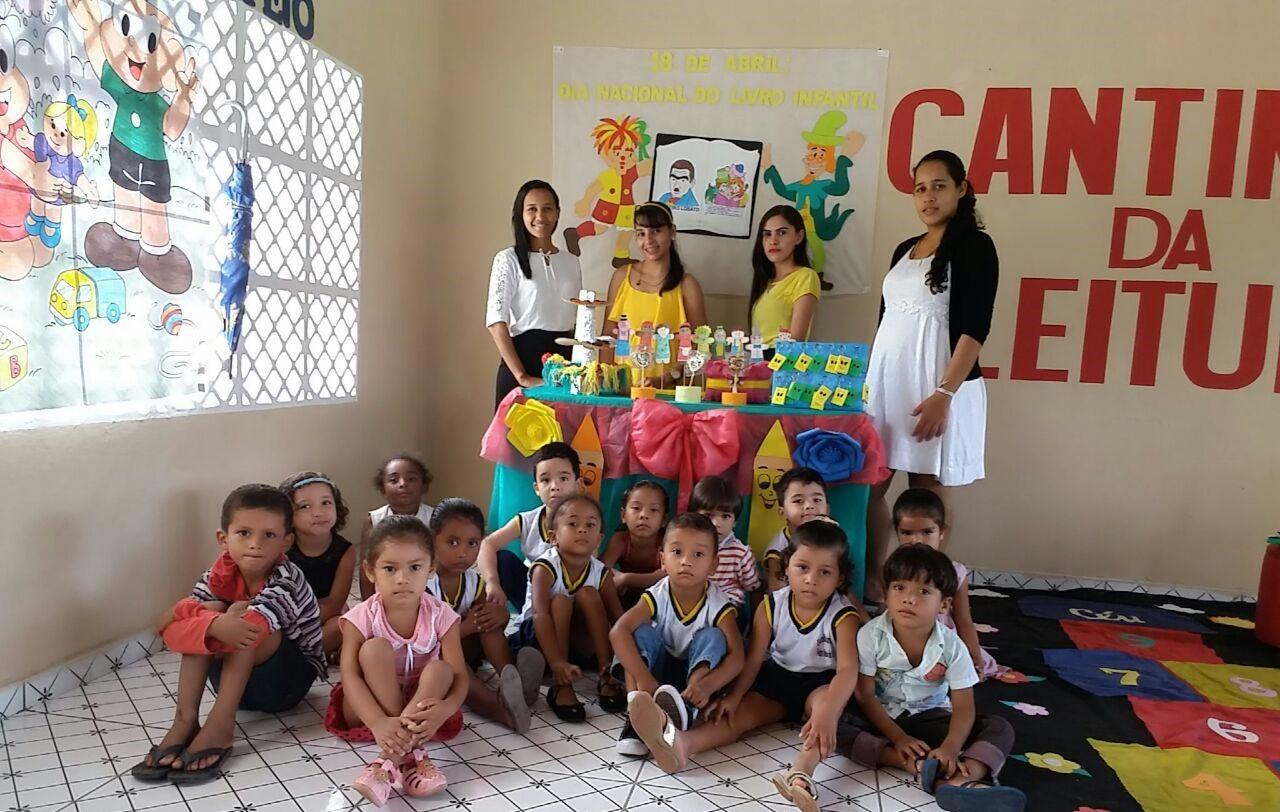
(721, 136)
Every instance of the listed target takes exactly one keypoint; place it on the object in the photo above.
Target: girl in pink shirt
(403, 674)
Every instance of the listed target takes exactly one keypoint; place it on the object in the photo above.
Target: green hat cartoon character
(827, 159)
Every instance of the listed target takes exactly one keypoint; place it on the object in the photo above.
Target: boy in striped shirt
(251, 626)
(736, 572)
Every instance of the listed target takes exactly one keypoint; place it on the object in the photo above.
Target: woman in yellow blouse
(784, 289)
(657, 289)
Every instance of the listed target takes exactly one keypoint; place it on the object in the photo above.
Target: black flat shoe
(615, 702)
(572, 712)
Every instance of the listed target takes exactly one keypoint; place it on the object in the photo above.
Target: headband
(659, 204)
(311, 481)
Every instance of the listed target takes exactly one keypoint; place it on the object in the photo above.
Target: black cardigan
(972, 279)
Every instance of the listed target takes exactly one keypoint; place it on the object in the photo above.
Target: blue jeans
(708, 647)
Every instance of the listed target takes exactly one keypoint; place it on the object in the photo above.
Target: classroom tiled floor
(75, 753)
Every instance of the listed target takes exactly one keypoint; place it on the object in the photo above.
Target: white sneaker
(629, 743)
(672, 704)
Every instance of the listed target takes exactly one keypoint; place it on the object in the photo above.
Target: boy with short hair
(736, 572)
(251, 626)
(556, 474)
(680, 642)
(915, 691)
(802, 496)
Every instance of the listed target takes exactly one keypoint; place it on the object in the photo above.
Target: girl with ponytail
(925, 391)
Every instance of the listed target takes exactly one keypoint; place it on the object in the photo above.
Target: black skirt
(530, 347)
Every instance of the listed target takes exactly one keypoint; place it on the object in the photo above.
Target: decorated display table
(621, 441)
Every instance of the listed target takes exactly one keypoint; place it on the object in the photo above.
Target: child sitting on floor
(802, 496)
(680, 642)
(458, 527)
(915, 691)
(736, 572)
(403, 674)
(326, 559)
(403, 480)
(636, 549)
(556, 474)
(801, 665)
(567, 584)
(919, 516)
(251, 626)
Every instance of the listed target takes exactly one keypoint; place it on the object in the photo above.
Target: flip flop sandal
(928, 773)
(571, 712)
(420, 777)
(804, 797)
(615, 702)
(980, 796)
(179, 774)
(155, 771)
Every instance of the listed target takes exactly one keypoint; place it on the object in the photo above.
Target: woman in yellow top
(784, 289)
(657, 289)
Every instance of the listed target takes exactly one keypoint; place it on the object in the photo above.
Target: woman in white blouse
(529, 289)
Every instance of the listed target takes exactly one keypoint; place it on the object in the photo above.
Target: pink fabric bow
(685, 447)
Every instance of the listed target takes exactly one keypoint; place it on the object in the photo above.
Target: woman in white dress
(926, 396)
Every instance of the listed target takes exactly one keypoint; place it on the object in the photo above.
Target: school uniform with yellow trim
(563, 583)
(802, 651)
(778, 545)
(678, 640)
(533, 534)
(470, 590)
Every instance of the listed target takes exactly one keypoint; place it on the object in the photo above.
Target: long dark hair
(761, 266)
(960, 227)
(655, 214)
(520, 234)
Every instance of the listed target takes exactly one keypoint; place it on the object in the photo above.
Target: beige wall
(1169, 484)
(106, 524)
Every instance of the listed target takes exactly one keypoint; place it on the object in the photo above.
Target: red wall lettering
(1223, 146)
(1092, 141)
(1146, 339)
(1031, 328)
(1183, 252)
(1253, 337)
(1119, 237)
(1164, 132)
(902, 128)
(1006, 113)
(1097, 331)
(1264, 145)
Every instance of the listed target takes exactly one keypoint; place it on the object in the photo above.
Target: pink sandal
(421, 778)
(376, 781)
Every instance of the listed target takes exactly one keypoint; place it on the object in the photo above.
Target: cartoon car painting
(83, 294)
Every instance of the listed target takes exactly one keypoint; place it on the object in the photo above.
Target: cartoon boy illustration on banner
(681, 197)
(20, 173)
(137, 53)
(623, 145)
(825, 175)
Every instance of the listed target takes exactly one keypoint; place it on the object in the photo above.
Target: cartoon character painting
(69, 130)
(137, 54)
(681, 196)
(20, 172)
(826, 175)
(623, 145)
(730, 187)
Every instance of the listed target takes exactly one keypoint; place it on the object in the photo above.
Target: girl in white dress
(926, 396)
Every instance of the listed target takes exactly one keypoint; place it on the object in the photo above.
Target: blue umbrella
(234, 288)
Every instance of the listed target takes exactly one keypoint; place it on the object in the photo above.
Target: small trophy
(643, 359)
(737, 365)
(691, 393)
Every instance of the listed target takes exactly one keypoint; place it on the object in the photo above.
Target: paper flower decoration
(1238, 622)
(1054, 763)
(1186, 610)
(1026, 708)
(531, 425)
(833, 454)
